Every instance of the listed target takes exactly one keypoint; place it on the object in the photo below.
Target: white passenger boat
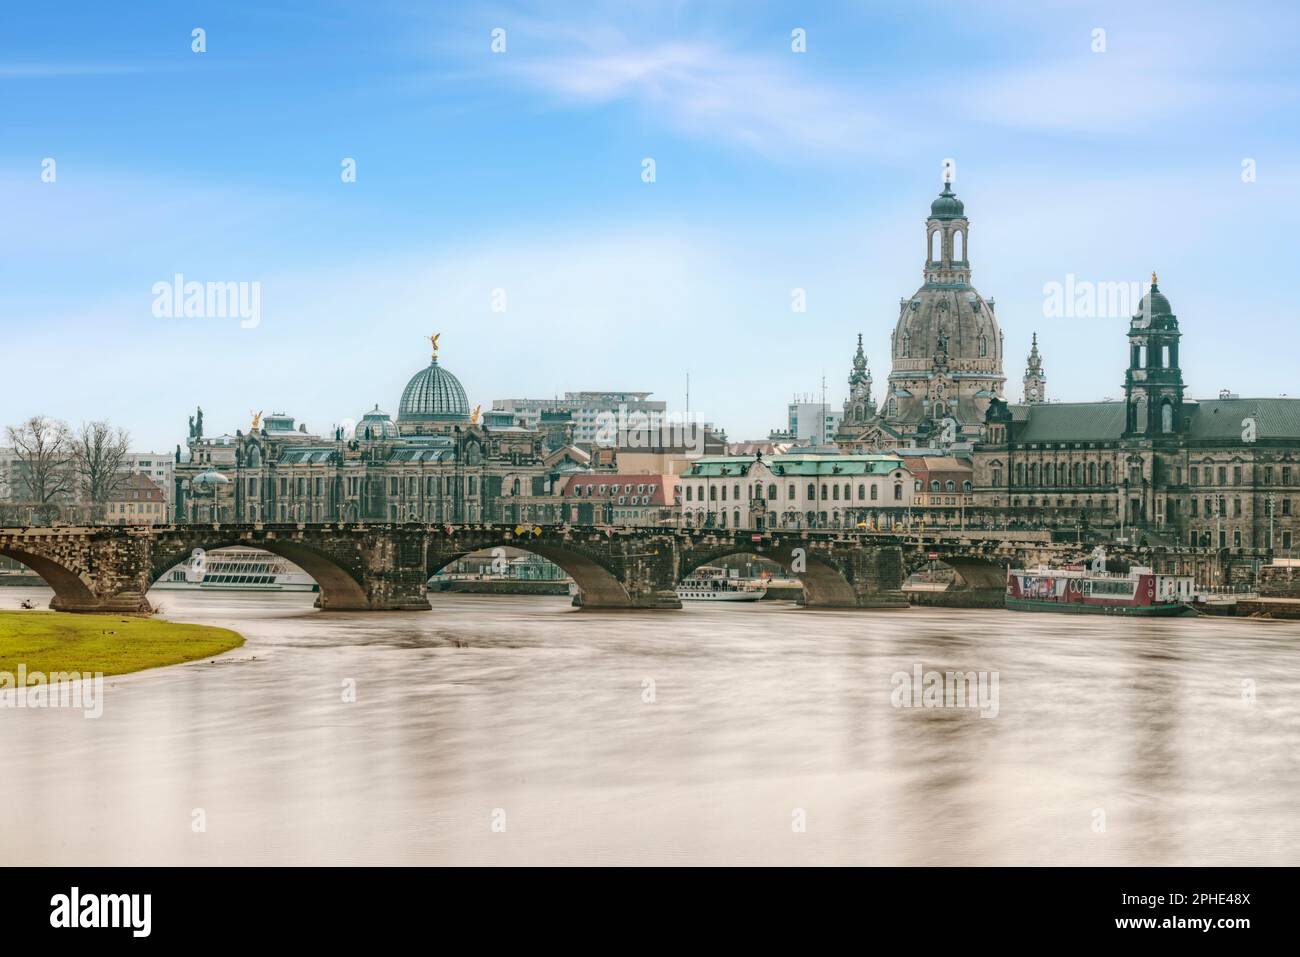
(709, 583)
(237, 569)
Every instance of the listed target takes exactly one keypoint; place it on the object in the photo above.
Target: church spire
(1035, 378)
(860, 405)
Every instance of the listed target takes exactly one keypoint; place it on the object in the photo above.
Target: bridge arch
(599, 584)
(340, 588)
(824, 583)
(71, 592)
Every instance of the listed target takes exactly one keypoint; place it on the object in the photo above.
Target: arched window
(771, 491)
(812, 491)
(892, 405)
(862, 492)
(967, 487)
(936, 246)
(835, 492)
(950, 486)
(958, 245)
(984, 346)
(790, 492)
(1167, 417)
(934, 486)
(907, 347)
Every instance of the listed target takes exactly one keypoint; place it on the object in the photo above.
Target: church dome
(433, 395)
(947, 206)
(379, 424)
(1154, 302)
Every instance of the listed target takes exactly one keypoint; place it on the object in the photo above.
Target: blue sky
(521, 171)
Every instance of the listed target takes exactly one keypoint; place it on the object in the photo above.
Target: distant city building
(812, 423)
(752, 447)
(598, 498)
(588, 413)
(944, 488)
(804, 488)
(136, 501)
(648, 453)
(438, 461)
(157, 467)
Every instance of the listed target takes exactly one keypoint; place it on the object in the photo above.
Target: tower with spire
(859, 408)
(1035, 378)
(1153, 383)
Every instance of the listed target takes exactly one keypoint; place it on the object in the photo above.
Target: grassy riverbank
(53, 641)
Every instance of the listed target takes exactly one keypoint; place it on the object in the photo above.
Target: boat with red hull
(1078, 590)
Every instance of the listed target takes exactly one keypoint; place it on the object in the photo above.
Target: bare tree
(42, 447)
(98, 451)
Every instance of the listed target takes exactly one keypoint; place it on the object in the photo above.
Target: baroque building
(945, 351)
(437, 462)
(1158, 467)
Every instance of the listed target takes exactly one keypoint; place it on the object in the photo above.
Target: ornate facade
(437, 462)
(1157, 467)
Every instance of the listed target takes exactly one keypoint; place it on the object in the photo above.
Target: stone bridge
(371, 567)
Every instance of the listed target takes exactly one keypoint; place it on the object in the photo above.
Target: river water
(518, 730)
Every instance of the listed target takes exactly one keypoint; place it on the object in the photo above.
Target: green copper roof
(947, 206)
(1208, 420)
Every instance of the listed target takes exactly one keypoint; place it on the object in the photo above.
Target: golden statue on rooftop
(1153, 277)
(473, 419)
(433, 341)
(257, 419)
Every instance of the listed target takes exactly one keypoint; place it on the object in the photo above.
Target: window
(898, 491)
(967, 487)
(875, 492)
(771, 491)
(934, 486)
(1193, 475)
(688, 493)
(950, 486)
(862, 492)
(1236, 475)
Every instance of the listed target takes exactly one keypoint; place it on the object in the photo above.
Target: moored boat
(1079, 590)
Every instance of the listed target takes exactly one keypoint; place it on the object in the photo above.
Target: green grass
(54, 641)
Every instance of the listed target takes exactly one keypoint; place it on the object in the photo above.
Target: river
(518, 730)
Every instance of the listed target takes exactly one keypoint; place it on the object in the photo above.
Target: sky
(501, 198)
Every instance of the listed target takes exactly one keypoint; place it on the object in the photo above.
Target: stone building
(138, 500)
(804, 488)
(438, 461)
(632, 498)
(945, 352)
(1157, 467)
